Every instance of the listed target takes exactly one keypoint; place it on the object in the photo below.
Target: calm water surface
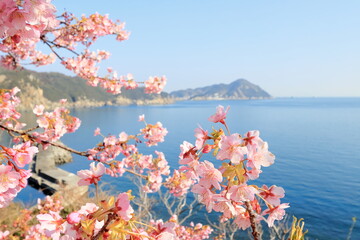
(316, 142)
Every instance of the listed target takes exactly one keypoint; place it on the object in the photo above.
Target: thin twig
(136, 174)
(60, 46)
(51, 48)
(32, 138)
(31, 129)
(255, 232)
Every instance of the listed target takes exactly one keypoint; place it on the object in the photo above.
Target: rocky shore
(33, 97)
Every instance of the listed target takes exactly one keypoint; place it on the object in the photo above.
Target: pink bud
(73, 218)
(207, 148)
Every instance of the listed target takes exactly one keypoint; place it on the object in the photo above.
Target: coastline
(25, 105)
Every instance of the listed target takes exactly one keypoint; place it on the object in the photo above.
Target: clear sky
(289, 48)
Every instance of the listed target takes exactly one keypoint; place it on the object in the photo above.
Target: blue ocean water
(316, 142)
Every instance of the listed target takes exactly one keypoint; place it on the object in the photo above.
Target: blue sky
(289, 48)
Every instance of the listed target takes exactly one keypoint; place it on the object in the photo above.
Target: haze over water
(316, 142)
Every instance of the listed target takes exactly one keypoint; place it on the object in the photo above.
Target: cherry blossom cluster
(21, 154)
(8, 103)
(155, 84)
(87, 30)
(222, 185)
(23, 24)
(226, 188)
(12, 181)
(54, 226)
(13, 160)
(172, 230)
(106, 152)
(85, 66)
(153, 134)
(22, 20)
(194, 232)
(54, 124)
(13, 178)
(50, 203)
(3, 235)
(110, 219)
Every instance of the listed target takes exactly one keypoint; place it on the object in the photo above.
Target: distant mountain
(49, 87)
(239, 89)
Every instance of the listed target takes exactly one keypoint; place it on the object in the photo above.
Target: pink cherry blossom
(242, 192)
(123, 137)
(11, 182)
(91, 176)
(155, 84)
(154, 182)
(123, 207)
(225, 206)
(73, 218)
(209, 175)
(7, 196)
(201, 137)
(97, 132)
(49, 203)
(231, 148)
(193, 232)
(163, 231)
(3, 235)
(52, 223)
(252, 138)
(39, 110)
(128, 82)
(154, 133)
(242, 220)
(205, 196)
(187, 154)
(273, 194)
(24, 153)
(88, 208)
(161, 164)
(262, 156)
(220, 115)
(110, 141)
(142, 118)
(8, 103)
(24, 175)
(71, 231)
(178, 184)
(39, 59)
(276, 213)
(55, 124)
(252, 173)
(35, 232)
(8, 178)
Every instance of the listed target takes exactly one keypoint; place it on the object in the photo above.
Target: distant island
(239, 89)
(48, 88)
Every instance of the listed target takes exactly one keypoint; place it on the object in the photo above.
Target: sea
(316, 142)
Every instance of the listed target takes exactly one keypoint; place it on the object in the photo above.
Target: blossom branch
(60, 46)
(51, 47)
(255, 232)
(33, 139)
